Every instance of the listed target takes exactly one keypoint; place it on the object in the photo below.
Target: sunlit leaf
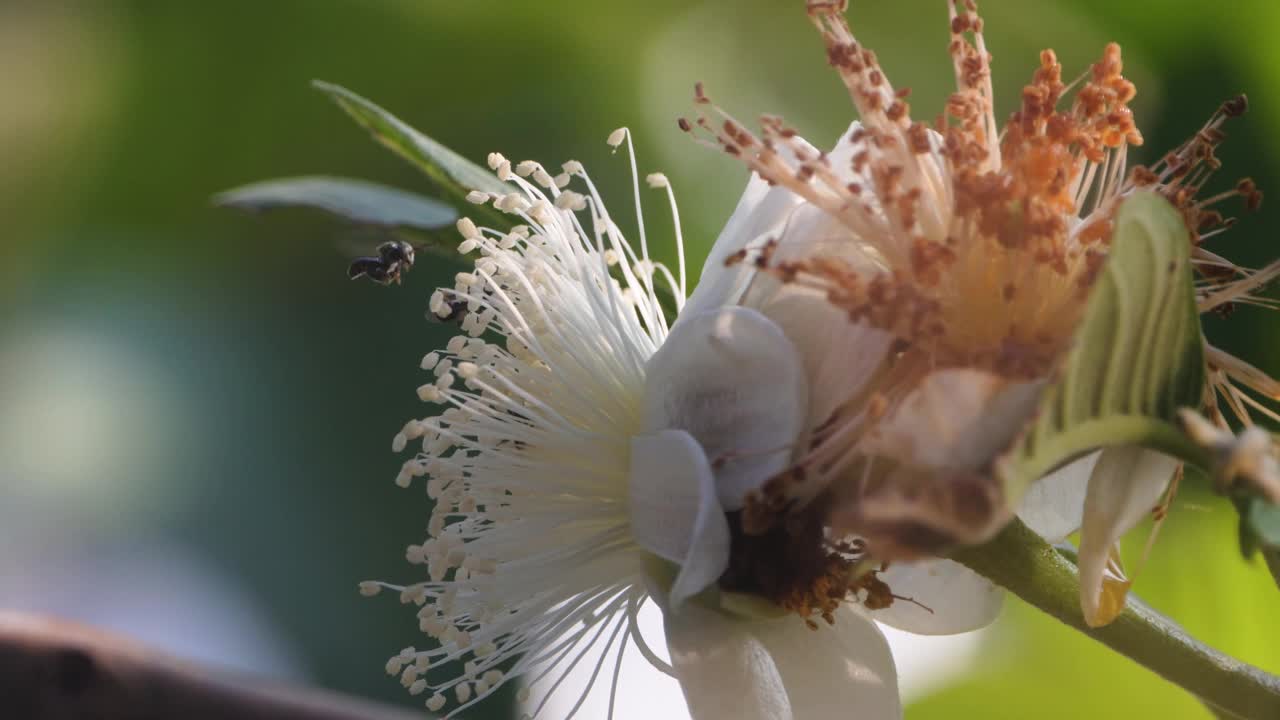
(359, 201)
(452, 173)
(1137, 355)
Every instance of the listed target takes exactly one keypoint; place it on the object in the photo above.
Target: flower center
(797, 566)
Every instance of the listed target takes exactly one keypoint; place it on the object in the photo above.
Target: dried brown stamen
(794, 565)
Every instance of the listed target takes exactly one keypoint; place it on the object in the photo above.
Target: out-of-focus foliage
(174, 375)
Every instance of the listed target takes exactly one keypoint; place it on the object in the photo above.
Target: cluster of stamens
(528, 557)
(955, 220)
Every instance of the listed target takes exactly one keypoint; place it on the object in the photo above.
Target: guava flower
(784, 460)
(956, 259)
(592, 457)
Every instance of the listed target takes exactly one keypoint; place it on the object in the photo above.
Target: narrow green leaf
(455, 175)
(359, 201)
(448, 170)
(1137, 355)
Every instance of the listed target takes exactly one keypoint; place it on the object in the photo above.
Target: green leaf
(452, 173)
(359, 201)
(1137, 355)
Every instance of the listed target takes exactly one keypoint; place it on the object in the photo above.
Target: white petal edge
(675, 513)
(836, 671)
(732, 380)
(1054, 505)
(1126, 485)
(761, 212)
(761, 208)
(764, 210)
(780, 669)
(957, 599)
(724, 671)
(837, 353)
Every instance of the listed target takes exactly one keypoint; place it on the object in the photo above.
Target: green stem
(1025, 564)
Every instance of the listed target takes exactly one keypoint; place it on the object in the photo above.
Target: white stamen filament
(529, 557)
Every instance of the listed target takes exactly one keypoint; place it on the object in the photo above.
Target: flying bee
(374, 269)
(394, 259)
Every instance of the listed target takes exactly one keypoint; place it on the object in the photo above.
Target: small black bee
(395, 258)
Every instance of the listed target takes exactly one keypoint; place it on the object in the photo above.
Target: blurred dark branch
(54, 669)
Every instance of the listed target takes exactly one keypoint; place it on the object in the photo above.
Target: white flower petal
(733, 380)
(674, 510)
(840, 159)
(813, 233)
(765, 211)
(780, 669)
(1126, 484)
(836, 671)
(957, 418)
(838, 354)
(761, 212)
(745, 216)
(957, 599)
(1054, 504)
(724, 670)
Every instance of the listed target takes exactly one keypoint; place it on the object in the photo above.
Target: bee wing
(357, 241)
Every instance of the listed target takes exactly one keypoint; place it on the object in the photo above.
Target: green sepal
(1136, 358)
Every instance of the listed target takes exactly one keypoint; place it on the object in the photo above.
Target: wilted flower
(960, 256)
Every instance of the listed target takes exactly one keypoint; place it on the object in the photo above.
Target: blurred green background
(196, 406)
